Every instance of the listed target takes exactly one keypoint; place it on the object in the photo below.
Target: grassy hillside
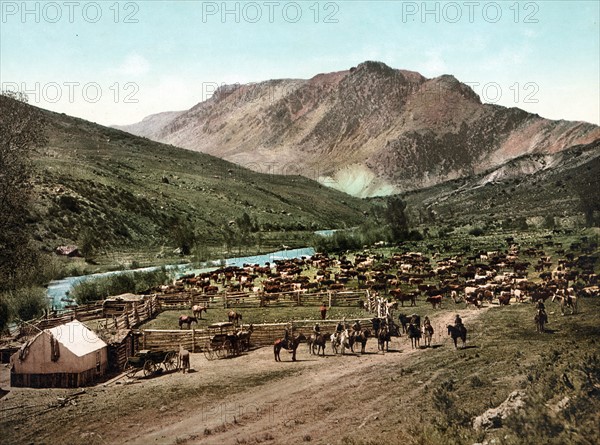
(562, 194)
(113, 192)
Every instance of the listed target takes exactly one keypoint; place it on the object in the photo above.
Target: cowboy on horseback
(339, 327)
(458, 322)
(541, 308)
(287, 338)
(357, 328)
(426, 323)
(317, 330)
(414, 319)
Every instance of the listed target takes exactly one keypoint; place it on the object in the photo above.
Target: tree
(184, 235)
(395, 216)
(21, 131)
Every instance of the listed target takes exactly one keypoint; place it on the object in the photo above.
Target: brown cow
(435, 301)
(504, 299)
(402, 297)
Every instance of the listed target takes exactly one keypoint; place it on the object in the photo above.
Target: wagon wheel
(129, 370)
(221, 351)
(208, 352)
(171, 361)
(149, 367)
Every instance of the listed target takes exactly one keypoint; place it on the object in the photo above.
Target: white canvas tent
(69, 355)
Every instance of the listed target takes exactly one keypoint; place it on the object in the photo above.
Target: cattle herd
(514, 274)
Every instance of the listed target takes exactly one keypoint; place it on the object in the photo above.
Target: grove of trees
(21, 132)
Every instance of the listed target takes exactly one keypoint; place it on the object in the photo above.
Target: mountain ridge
(370, 130)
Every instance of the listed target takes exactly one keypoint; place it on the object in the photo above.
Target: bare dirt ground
(248, 399)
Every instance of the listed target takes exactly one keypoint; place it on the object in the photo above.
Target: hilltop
(369, 131)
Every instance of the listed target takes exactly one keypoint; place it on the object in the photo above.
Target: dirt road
(249, 399)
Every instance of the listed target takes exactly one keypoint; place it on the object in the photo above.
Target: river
(58, 290)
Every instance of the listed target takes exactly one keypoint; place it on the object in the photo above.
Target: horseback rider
(339, 327)
(317, 330)
(539, 306)
(415, 320)
(427, 325)
(287, 339)
(357, 328)
(426, 322)
(458, 322)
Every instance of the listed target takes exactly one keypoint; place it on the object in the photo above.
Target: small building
(69, 251)
(66, 356)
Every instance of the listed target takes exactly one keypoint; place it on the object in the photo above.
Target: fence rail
(135, 313)
(185, 299)
(264, 334)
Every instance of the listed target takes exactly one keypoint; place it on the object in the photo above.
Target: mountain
(371, 130)
(127, 192)
(556, 190)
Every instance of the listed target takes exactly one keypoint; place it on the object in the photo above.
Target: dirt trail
(306, 406)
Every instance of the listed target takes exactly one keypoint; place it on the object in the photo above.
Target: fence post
(329, 297)
(193, 339)
(144, 339)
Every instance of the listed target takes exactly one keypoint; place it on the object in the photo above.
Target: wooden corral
(118, 317)
(185, 299)
(69, 355)
(119, 304)
(262, 335)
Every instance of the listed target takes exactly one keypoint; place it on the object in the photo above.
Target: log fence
(262, 335)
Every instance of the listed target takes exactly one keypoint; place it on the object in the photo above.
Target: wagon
(150, 361)
(222, 344)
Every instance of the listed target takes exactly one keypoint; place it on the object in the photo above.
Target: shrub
(26, 303)
(89, 290)
(476, 231)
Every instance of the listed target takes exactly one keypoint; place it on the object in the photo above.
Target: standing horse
(197, 310)
(540, 320)
(404, 320)
(414, 333)
(234, 317)
(319, 341)
(279, 344)
(427, 334)
(335, 341)
(361, 339)
(186, 319)
(346, 341)
(566, 300)
(383, 339)
(457, 332)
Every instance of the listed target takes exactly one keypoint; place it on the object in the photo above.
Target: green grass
(169, 319)
(123, 199)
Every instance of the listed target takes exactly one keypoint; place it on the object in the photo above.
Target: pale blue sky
(143, 57)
